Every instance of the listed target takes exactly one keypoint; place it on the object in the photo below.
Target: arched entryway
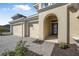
(50, 26)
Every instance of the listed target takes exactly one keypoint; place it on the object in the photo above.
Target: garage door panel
(34, 28)
(17, 30)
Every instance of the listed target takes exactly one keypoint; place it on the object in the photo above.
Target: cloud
(21, 7)
(5, 9)
(18, 8)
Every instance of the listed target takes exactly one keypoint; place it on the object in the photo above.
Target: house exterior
(59, 21)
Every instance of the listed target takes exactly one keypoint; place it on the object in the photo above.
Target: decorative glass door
(54, 28)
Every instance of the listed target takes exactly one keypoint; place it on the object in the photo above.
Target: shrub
(20, 49)
(1, 30)
(4, 54)
(63, 45)
(9, 53)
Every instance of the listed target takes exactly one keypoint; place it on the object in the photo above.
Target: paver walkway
(9, 43)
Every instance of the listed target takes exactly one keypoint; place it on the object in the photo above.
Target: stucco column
(40, 5)
(41, 32)
(11, 29)
(25, 29)
(70, 8)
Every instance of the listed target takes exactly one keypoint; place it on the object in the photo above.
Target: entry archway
(50, 26)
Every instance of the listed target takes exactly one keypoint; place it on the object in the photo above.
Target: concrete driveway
(9, 43)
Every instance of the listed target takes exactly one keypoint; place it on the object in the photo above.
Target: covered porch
(51, 28)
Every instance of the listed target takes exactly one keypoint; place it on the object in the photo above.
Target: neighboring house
(6, 27)
(57, 20)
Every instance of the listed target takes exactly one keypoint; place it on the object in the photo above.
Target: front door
(54, 28)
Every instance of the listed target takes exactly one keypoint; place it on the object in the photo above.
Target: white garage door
(18, 30)
(34, 30)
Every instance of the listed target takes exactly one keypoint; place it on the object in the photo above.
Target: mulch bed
(38, 41)
(71, 51)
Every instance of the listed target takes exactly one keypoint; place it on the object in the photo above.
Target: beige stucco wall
(74, 26)
(46, 28)
(18, 30)
(61, 13)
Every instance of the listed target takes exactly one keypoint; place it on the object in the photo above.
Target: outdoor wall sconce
(77, 17)
(74, 7)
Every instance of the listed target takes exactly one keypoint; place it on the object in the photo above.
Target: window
(45, 5)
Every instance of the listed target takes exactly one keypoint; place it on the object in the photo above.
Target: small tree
(2, 30)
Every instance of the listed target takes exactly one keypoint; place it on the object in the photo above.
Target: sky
(7, 10)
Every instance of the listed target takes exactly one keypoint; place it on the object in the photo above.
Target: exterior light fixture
(74, 7)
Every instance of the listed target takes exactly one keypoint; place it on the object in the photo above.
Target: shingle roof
(17, 16)
(22, 19)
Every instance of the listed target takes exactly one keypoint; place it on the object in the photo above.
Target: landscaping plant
(1, 30)
(63, 45)
(20, 49)
(8, 53)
